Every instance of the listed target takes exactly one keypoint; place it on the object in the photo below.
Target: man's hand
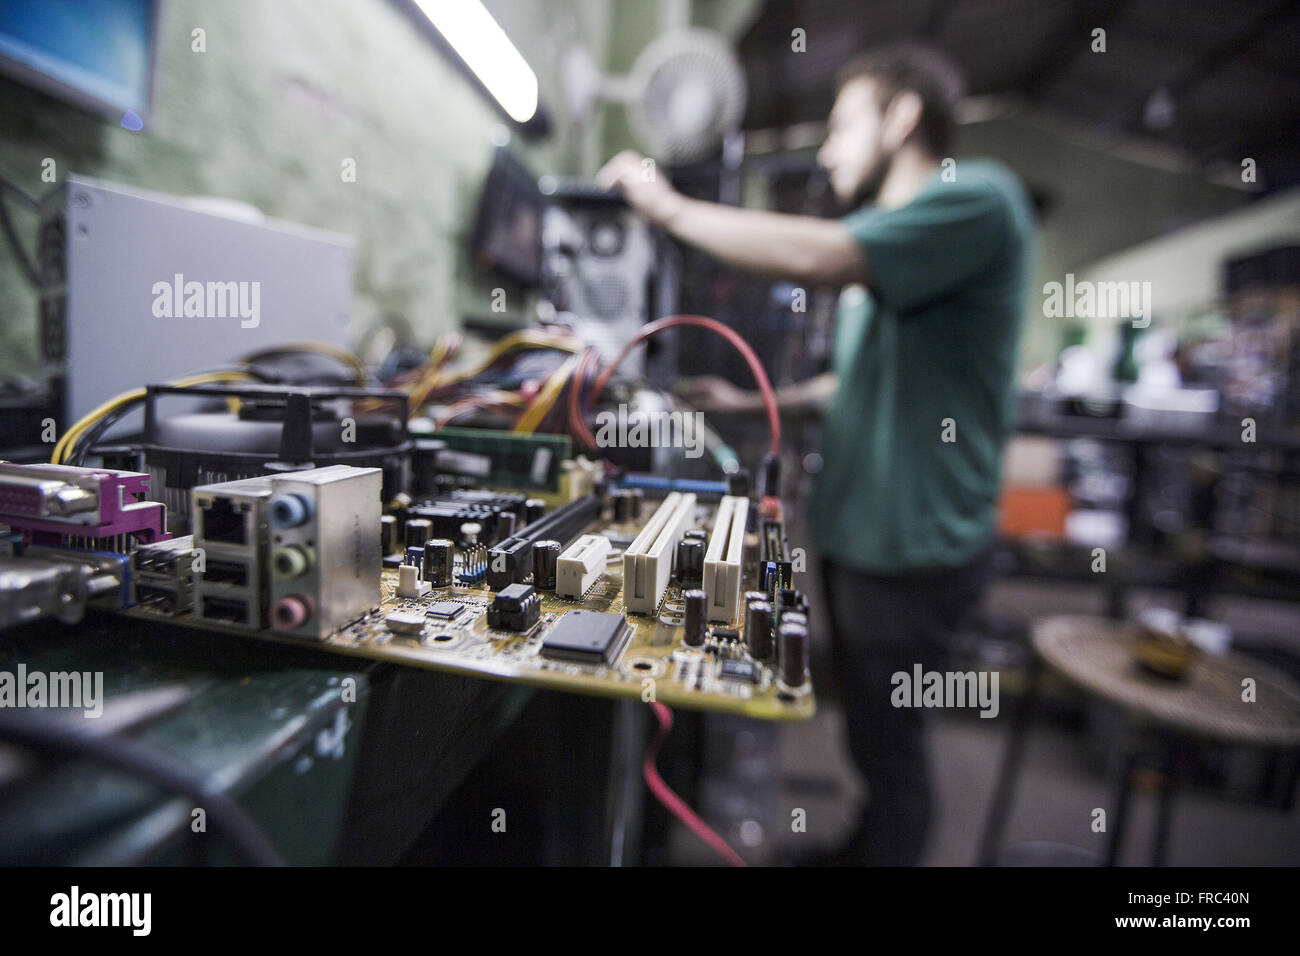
(802, 248)
(712, 393)
(645, 190)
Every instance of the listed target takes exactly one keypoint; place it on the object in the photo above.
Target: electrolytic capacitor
(795, 617)
(758, 626)
(387, 534)
(439, 555)
(620, 500)
(638, 499)
(690, 562)
(546, 555)
(469, 532)
(505, 525)
(792, 645)
(697, 606)
(534, 508)
(418, 531)
(789, 599)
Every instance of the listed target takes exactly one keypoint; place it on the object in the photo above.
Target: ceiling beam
(1062, 46)
(1214, 60)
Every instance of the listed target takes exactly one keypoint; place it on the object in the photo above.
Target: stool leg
(1164, 814)
(1120, 801)
(1004, 792)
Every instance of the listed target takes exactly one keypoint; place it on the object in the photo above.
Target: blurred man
(935, 263)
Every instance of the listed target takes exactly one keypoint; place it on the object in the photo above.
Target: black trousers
(879, 625)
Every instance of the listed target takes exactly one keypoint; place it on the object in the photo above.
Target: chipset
(587, 637)
(444, 610)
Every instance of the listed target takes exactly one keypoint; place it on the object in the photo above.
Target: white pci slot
(648, 561)
(722, 561)
(581, 565)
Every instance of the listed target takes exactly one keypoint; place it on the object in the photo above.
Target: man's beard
(869, 191)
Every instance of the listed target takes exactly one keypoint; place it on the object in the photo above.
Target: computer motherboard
(682, 600)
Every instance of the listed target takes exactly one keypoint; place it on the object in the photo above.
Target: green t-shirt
(913, 439)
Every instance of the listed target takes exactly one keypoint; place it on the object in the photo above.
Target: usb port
(226, 572)
(224, 609)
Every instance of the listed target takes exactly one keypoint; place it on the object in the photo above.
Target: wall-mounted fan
(686, 91)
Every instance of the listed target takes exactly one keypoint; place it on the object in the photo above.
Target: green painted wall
(288, 89)
(1100, 203)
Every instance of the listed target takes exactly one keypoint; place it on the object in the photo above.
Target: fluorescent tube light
(488, 52)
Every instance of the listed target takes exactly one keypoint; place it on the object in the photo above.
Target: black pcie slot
(511, 561)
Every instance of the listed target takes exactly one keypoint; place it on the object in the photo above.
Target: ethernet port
(224, 609)
(223, 522)
(225, 572)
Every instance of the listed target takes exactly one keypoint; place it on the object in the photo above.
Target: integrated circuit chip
(738, 670)
(516, 607)
(444, 610)
(587, 637)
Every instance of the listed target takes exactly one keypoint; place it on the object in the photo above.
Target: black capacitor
(758, 627)
(387, 534)
(690, 562)
(418, 531)
(505, 525)
(696, 534)
(795, 617)
(534, 508)
(621, 501)
(439, 555)
(546, 555)
(638, 499)
(697, 606)
(792, 642)
(789, 599)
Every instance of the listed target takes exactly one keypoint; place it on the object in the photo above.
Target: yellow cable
(526, 337)
(546, 397)
(74, 433)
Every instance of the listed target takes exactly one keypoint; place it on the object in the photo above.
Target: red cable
(713, 325)
(576, 424)
(673, 803)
